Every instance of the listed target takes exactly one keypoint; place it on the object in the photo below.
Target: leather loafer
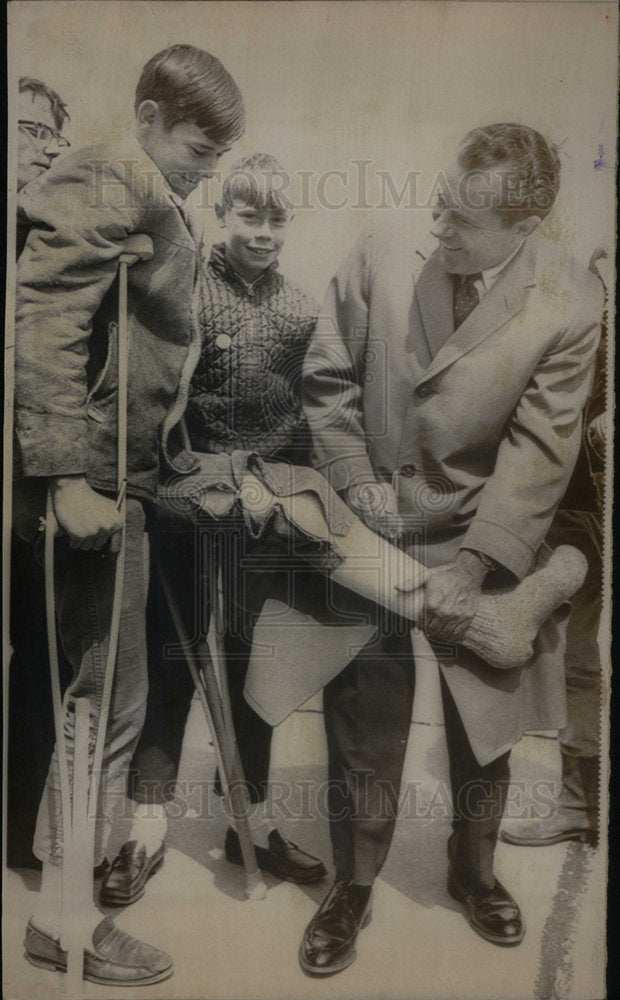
(129, 873)
(101, 869)
(116, 958)
(282, 858)
(328, 944)
(492, 913)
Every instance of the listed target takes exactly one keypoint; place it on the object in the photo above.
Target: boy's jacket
(67, 309)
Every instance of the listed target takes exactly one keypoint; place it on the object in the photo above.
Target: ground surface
(418, 945)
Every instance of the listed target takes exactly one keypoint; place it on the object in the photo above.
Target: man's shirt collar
(491, 274)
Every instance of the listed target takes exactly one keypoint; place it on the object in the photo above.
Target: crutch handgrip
(136, 247)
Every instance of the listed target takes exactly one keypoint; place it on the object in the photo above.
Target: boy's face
(184, 153)
(254, 236)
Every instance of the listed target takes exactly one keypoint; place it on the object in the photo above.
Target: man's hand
(376, 505)
(88, 519)
(451, 596)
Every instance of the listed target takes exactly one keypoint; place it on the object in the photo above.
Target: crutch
(215, 701)
(79, 817)
(237, 789)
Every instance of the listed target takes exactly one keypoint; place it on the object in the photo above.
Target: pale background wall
(327, 83)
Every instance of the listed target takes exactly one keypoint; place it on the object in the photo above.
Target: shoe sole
(111, 898)
(331, 970)
(487, 935)
(52, 966)
(584, 836)
(314, 875)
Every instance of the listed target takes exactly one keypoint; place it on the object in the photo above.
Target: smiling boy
(188, 112)
(244, 396)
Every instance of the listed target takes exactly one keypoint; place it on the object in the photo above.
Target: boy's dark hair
(532, 167)
(39, 89)
(191, 85)
(258, 180)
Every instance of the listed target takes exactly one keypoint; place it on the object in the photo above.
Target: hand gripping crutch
(215, 701)
(79, 815)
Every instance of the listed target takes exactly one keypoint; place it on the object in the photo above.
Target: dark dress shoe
(492, 913)
(129, 873)
(101, 869)
(328, 944)
(115, 959)
(282, 858)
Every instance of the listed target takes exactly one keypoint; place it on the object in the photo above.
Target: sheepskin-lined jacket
(67, 310)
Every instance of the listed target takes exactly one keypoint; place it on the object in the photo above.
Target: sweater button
(408, 470)
(223, 341)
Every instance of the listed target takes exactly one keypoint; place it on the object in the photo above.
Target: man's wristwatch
(486, 560)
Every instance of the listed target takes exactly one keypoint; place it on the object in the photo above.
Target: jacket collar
(220, 265)
(153, 186)
(504, 300)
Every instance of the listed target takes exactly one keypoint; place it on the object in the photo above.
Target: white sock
(48, 913)
(260, 824)
(48, 910)
(149, 826)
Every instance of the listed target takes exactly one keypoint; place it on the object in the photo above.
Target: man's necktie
(466, 296)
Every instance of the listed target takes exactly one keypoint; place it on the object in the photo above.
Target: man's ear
(527, 226)
(148, 113)
(220, 212)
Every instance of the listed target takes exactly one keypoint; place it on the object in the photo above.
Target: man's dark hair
(191, 85)
(39, 89)
(532, 167)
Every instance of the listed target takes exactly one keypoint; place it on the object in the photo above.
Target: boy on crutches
(188, 112)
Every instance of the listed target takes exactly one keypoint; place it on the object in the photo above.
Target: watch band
(485, 560)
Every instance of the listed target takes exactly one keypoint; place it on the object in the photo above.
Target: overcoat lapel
(434, 294)
(506, 298)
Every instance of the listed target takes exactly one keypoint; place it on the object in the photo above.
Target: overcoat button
(408, 471)
(424, 390)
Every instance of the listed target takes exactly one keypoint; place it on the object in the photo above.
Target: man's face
(254, 236)
(471, 233)
(184, 153)
(34, 155)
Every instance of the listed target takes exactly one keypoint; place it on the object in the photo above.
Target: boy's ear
(220, 212)
(148, 112)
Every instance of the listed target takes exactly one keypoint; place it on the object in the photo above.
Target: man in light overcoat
(444, 389)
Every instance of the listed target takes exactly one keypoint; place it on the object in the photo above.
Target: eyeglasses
(40, 131)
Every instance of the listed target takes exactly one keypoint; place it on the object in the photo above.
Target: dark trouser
(179, 550)
(84, 591)
(30, 716)
(367, 719)
(581, 737)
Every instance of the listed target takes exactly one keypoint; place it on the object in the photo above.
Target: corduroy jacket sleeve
(334, 370)
(67, 265)
(537, 455)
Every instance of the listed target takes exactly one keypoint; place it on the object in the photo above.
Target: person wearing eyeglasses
(41, 113)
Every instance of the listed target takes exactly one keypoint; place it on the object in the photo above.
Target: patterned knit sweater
(246, 389)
